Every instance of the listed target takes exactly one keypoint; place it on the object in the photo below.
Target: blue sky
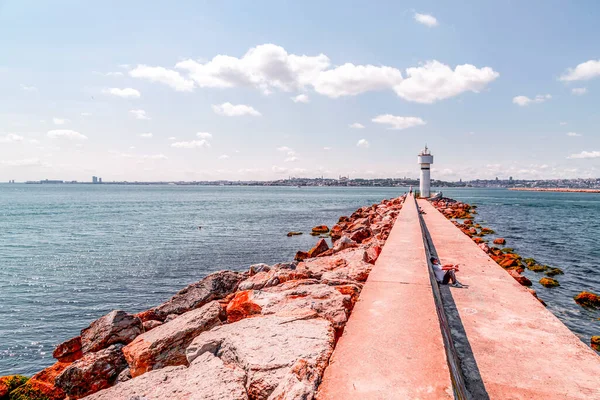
(133, 91)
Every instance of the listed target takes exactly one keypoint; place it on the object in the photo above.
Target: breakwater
(560, 190)
(266, 332)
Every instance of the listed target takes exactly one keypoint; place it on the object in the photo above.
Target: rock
(41, 386)
(508, 262)
(360, 235)
(68, 351)
(9, 383)
(170, 317)
(336, 232)
(595, 343)
(207, 378)
(478, 240)
(499, 241)
(344, 243)
(165, 345)
(343, 218)
(301, 256)
(549, 282)
(372, 254)
(520, 278)
(508, 250)
(256, 268)
(93, 372)
(554, 272)
(282, 357)
(293, 233)
(468, 222)
(530, 261)
(115, 327)
(588, 299)
(290, 298)
(487, 231)
(319, 248)
(151, 324)
(213, 287)
(272, 278)
(484, 247)
(320, 229)
(316, 267)
(537, 267)
(124, 376)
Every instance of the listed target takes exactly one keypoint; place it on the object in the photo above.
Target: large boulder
(290, 298)
(115, 327)
(214, 287)
(41, 386)
(207, 378)
(319, 248)
(318, 266)
(282, 357)
(272, 277)
(93, 372)
(588, 299)
(165, 345)
(68, 351)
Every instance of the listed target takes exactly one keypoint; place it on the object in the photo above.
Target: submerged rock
(499, 241)
(94, 372)
(165, 345)
(293, 233)
(281, 357)
(588, 299)
(115, 327)
(537, 267)
(549, 282)
(554, 272)
(320, 229)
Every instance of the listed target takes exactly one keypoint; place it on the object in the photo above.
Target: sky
(240, 90)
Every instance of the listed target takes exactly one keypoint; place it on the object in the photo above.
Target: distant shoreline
(556, 190)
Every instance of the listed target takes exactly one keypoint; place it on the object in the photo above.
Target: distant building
(99, 180)
(94, 179)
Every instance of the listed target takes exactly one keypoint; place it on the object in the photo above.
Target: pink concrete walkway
(392, 347)
(522, 350)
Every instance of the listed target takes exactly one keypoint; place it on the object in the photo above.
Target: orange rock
(372, 254)
(301, 256)
(595, 343)
(499, 241)
(9, 383)
(68, 351)
(336, 232)
(242, 306)
(588, 299)
(320, 229)
(478, 240)
(41, 385)
(519, 278)
(549, 282)
(319, 248)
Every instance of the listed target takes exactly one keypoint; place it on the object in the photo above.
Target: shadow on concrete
(466, 378)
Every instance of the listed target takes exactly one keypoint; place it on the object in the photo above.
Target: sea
(71, 253)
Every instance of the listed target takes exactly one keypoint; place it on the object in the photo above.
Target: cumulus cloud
(270, 67)
(586, 154)
(235, 110)
(399, 123)
(301, 98)
(356, 125)
(426, 19)
(574, 134)
(27, 88)
(59, 121)
(11, 138)
(146, 135)
(193, 144)
(584, 71)
(204, 135)
(223, 157)
(291, 159)
(126, 93)
(65, 134)
(285, 149)
(166, 76)
(525, 101)
(363, 143)
(139, 114)
(579, 91)
(436, 81)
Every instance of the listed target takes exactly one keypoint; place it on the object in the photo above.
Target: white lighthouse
(425, 160)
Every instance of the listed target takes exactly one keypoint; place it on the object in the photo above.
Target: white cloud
(172, 138)
(301, 98)
(66, 134)
(278, 169)
(426, 19)
(326, 148)
(163, 75)
(363, 143)
(584, 71)
(436, 81)
(28, 88)
(27, 162)
(146, 135)
(127, 93)
(139, 114)
(579, 91)
(285, 149)
(11, 138)
(235, 110)
(562, 123)
(193, 144)
(586, 154)
(264, 67)
(118, 73)
(350, 80)
(574, 134)
(32, 141)
(356, 125)
(223, 157)
(141, 157)
(291, 159)
(397, 122)
(525, 101)
(86, 114)
(59, 121)
(204, 135)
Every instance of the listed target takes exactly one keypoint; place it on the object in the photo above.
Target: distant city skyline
(236, 91)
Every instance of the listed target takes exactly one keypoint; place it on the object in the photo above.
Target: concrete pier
(508, 345)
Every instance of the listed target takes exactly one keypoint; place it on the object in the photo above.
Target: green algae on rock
(595, 343)
(9, 383)
(537, 267)
(530, 261)
(588, 299)
(554, 271)
(549, 282)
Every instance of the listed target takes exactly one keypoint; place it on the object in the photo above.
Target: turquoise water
(71, 253)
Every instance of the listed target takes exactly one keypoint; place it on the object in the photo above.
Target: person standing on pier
(445, 273)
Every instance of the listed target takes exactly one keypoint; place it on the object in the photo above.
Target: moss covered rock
(588, 299)
(549, 282)
(9, 383)
(595, 343)
(537, 267)
(530, 261)
(487, 231)
(554, 271)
